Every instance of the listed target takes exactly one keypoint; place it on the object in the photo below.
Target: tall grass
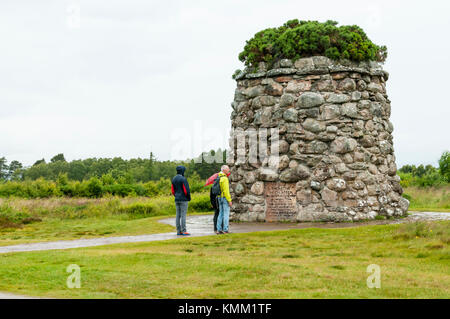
(431, 198)
(434, 230)
(14, 212)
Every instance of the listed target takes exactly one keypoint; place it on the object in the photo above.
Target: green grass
(435, 199)
(302, 263)
(54, 229)
(28, 221)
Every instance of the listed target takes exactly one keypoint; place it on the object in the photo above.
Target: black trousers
(216, 215)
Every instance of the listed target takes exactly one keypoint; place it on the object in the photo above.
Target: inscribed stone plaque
(281, 201)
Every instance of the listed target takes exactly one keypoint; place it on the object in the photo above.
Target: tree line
(425, 176)
(123, 171)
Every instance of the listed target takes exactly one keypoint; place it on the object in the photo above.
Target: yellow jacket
(225, 187)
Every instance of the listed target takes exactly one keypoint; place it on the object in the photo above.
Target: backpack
(216, 187)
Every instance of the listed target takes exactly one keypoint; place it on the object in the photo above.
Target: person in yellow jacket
(224, 201)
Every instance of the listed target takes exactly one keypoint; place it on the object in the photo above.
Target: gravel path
(201, 225)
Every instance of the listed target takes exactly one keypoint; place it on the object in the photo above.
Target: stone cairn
(335, 158)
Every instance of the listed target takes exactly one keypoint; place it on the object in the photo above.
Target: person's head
(225, 169)
(181, 169)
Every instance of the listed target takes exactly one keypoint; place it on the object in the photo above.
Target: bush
(196, 183)
(13, 218)
(200, 203)
(95, 187)
(138, 210)
(151, 189)
(164, 185)
(422, 176)
(120, 190)
(296, 39)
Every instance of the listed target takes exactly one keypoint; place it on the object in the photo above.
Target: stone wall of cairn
(336, 159)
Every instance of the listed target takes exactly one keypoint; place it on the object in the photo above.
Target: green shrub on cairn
(298, 39)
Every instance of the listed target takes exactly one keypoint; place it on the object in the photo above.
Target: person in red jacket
(182, 193)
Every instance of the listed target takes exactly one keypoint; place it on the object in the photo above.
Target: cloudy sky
(123, 78)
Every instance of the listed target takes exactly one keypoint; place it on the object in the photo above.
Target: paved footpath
(202, 225)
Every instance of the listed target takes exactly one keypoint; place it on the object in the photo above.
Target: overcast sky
(131, 73)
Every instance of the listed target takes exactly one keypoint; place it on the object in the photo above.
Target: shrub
(13, 218)
(108, 179)
(164, 185)
(296, 39)
(95, 187)
(139, 190)
(421, 176)
(151, 189)
(138, 210)
(41, 188)
(196, 183)
(200, 203)
(119, 190)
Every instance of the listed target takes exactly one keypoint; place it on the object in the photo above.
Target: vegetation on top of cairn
(297, 39)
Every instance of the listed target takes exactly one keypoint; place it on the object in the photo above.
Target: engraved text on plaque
(281, 201)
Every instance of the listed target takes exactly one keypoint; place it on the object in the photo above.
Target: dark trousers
(216, 211)
(216, 215)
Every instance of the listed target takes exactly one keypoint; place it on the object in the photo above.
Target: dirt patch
(6, 223)
(30, 220)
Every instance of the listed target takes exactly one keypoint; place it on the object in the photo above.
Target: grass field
(304, 263)
(35, 220)
(435, 199)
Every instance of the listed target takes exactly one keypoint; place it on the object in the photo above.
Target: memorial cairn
(311, 141)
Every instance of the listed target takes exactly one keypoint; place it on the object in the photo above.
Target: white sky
(136, 71)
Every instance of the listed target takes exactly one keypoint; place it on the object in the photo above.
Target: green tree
(444, 166)
(150, 167)
(77, 170)
(407, 169)
(14, 170)
(38, 162)
(59, 157)
(3, 169)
